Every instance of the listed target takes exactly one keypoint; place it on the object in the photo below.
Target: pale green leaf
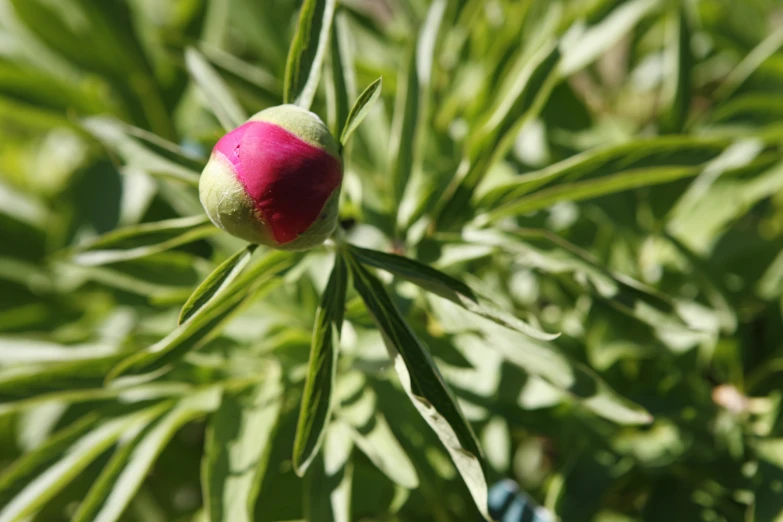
(227, 109)
(584, 47)
(329, 479)
(80, 455)
(142, 240)
(645, 152)
(373, 436)
(520, 102)
(237, 449)
(582, 190)
(115, 136)
(111, 494)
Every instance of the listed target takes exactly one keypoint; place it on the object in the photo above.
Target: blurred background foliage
(609, 170)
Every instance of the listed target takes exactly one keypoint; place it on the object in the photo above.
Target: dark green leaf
(424, 385)
(307, 52)
(317, 399)
(677, 88)
(445, 286)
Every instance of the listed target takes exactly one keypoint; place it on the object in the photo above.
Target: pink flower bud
(275, 180)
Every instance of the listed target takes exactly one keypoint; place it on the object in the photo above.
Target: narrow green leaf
(424, 385)
(115, 136)
(80, 455)
(360, 109)
(584, 48)
(22, 380)
(307, 52)
(521, 101)
(646, 152)
(749, 64)
(632, 179)
(405, 128)
(317, 395)
(106, 257)
(22, 207)
(23, 351)
(111, 494)
(330, 478)
(421, 184)
(445, 286)
(227, 109)
(251, 73)
(372, 434)
(677, 86)
(15, 476)
(209, 318)
(149, 391)
(221, 277)
(341, 77)
(550, 254)
(142, 240)
(239, 439)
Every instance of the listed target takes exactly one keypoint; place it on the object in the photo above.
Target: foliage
(558, 261)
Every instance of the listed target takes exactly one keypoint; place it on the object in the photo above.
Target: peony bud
(275, 180)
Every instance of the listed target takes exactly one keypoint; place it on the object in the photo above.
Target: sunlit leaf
(111, 494)
(521, 101)
(116, 137)
(76, 458)
(238, 446)
(330, 477)
(227, 109)
(204, 323)
(143, 240)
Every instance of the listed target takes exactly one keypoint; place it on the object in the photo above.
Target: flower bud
(275, 180)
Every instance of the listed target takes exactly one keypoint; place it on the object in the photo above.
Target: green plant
(557, 259)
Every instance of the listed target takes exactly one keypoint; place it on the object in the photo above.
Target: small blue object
(507, 503)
